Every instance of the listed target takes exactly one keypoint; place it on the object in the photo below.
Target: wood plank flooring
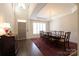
(27, 48)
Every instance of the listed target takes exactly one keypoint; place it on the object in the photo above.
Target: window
(21, 20)
(37, 27)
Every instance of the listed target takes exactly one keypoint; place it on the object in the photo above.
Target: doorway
(21, 30)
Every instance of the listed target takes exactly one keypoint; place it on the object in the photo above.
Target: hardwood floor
(51, 48)
(27, 48)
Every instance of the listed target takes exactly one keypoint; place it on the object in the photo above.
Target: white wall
(7, 14)
(66, 23)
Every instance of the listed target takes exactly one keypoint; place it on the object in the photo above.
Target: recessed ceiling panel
(53, 10)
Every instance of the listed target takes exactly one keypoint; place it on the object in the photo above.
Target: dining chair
(59, 33)
(65, 40)
(53, 33)
(41, 34)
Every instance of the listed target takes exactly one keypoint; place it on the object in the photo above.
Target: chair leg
(64, 46)
(68, 45)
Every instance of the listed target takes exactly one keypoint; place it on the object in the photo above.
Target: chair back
(60, 33)
(67, 36)
(53, 33)
(41, 33)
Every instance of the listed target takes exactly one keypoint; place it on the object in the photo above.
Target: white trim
(21, 21)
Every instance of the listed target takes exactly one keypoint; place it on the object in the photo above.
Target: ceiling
(52, 10)
(42, 11)
(23, 13)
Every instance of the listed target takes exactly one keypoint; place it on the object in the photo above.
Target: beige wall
(66, 23)
(78, 26)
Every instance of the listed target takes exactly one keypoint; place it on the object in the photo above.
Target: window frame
(41, 23)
